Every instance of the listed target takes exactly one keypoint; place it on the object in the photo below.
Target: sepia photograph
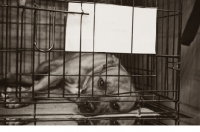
(99, 62)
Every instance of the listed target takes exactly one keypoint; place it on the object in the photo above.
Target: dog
(104, 87)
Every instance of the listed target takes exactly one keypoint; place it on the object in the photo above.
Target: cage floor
(63, 112)
(54, 114)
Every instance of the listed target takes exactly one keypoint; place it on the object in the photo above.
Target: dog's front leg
(55, 77)
(18, 97)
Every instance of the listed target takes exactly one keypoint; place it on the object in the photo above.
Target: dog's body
(102, 79)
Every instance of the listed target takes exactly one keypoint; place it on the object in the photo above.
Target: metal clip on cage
(52, 18)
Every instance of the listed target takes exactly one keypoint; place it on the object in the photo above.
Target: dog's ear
(112, 63)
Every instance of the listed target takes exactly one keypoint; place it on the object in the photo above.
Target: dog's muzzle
(86, 107)
(85, 122)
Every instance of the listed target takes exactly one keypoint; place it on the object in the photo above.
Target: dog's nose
(85, 122)
(86, 107)
(83, 91)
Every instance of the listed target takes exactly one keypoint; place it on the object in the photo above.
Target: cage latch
(175, 66)
(52, 16)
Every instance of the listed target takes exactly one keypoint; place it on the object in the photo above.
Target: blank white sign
(144, 30)
(73, 28)
(111, 29)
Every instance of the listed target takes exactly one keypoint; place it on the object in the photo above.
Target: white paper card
(73, 28)
(112, 29)
(144, 30)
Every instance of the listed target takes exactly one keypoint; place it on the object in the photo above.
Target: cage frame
(175, 64)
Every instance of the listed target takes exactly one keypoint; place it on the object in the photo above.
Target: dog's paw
(15, 121)
(16, 98)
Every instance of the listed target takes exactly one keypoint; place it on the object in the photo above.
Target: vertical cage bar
(157, 51)
(173, 60)
(179, 60)
(106, 71)
(65, 26)
(119, 73)
(2, 43)
(6, 55)
(10, 53)
(79, 76)
(39, 34)
(136, 94)
(17, 51)
(93, 51)
(33, 59)
(33, 48)
(131, 63)
(147, 71)
(20, 52)
(162, 50)
(49, 53)
(46, 44)
(167, 51)
(54, 23)
(24, 42)
(152, 71)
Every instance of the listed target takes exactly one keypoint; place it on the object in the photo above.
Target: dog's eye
(101, 84)
(114, 122)
(114, 105)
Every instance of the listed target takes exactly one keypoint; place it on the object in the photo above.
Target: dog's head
(108, 91)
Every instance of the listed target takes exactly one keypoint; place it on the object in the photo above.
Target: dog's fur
(102, 82)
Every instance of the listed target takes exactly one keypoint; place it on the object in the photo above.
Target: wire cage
(33, 31)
